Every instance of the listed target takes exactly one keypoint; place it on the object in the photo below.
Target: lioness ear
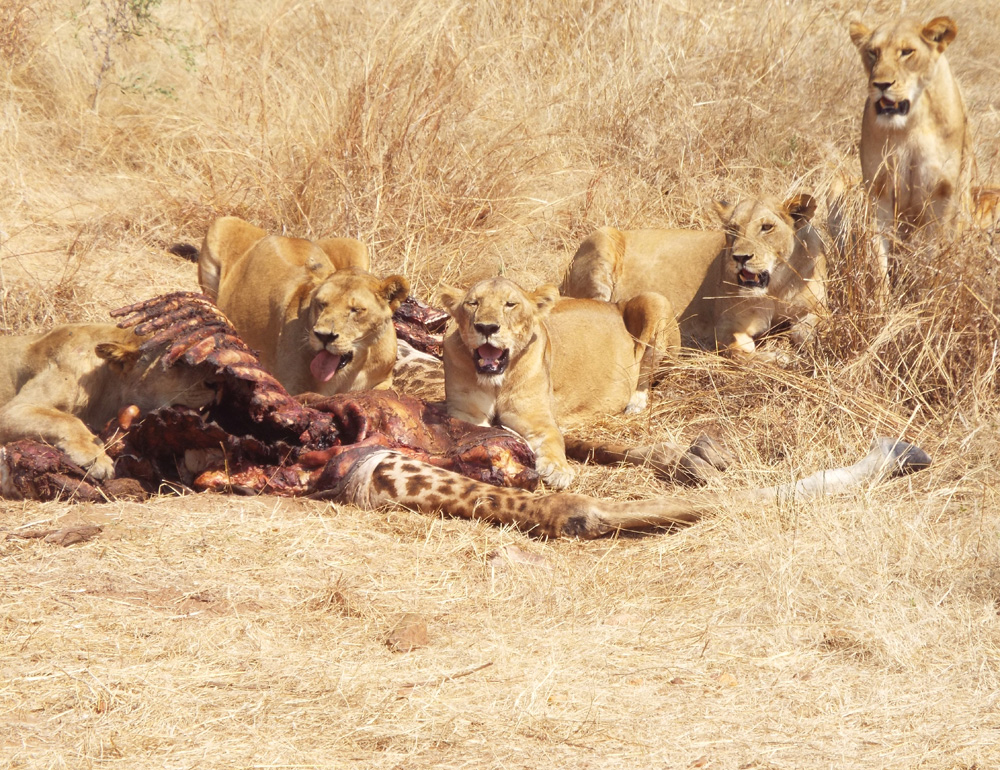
(118, 355)
(859, 33)
(724, 209)
(395, 289)
(451, 298)
(940, 32)
(544, 298)
(801, 207)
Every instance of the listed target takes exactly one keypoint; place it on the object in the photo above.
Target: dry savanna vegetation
(460, 140)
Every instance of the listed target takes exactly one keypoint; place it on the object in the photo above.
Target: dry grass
(460, 140)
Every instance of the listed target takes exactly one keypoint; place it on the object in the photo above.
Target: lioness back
(671, 262)
(230, 239)
(595, 369)
(679, 264)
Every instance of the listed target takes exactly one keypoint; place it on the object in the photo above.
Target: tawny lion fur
(534, 362)
(765, 269)
(320, 321)
(57, 385)
(917, 161)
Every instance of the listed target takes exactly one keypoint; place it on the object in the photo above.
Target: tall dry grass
(462, 140)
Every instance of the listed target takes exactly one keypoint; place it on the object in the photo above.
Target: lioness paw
(638, 402)
(102, 468)
(554, 474)
(91, 457)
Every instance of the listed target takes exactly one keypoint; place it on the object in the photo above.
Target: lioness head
(149, 385)
(760, 235)
(497, 320)
(900, 58)
(348, 311)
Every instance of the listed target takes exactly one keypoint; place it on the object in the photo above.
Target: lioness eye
(766, 227)
(872, 54)
(357, 310)
(905, 52)
(510, 304)
(472, 303)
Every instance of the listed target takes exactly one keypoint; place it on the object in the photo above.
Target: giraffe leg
(388, 477)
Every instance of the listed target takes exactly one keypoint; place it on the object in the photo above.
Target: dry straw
(461, 140)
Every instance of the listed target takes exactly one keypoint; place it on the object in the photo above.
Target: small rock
(726, 679)
(409, 633)
(511, 554)
(72, 535)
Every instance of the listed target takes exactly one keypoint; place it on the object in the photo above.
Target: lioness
(916, 148)
(319, 320)
(63, 385)
(766, 269)
(534, 362)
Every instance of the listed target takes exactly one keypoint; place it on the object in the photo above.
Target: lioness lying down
(534, 362)
(319, 320)
(58, 385)
(916, 148)
(765, 269)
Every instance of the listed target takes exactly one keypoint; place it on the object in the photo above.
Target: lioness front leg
(885, 219)
(804, 329)
(546, 441)
(61, 429)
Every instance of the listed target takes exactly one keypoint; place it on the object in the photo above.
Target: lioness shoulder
(536, 363)
(766, 268)
(62, 386)
(320, 321)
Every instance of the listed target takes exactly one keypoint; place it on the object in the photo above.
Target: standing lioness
(916, 149)
(319, 320)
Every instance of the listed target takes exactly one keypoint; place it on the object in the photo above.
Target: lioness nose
(487, 329)
(325, 338)
(883, 86)
(742, 259)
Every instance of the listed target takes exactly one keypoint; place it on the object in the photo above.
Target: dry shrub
(17, 18)
(932, 347)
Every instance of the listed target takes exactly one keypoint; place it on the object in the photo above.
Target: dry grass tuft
(459, 141)
(16, 20)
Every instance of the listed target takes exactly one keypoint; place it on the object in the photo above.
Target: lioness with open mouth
(764, 269)
(535, 363)
(320, 321)
(916, 149)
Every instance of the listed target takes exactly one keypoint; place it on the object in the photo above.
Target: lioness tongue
(489, 354)
(324, 366)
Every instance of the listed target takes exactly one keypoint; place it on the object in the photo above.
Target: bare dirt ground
(458, 141)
